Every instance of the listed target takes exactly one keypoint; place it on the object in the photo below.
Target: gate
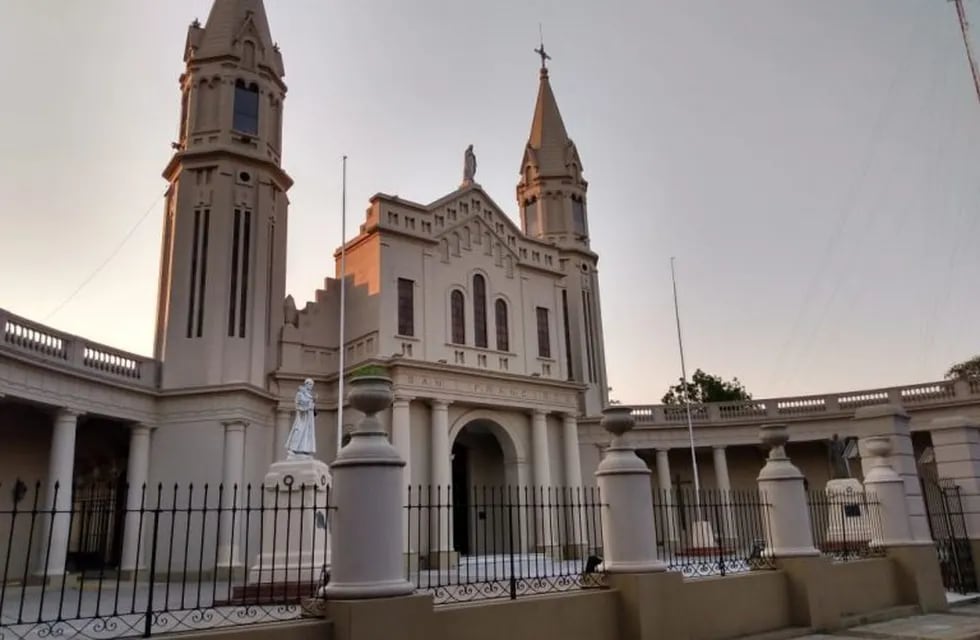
(947, 523)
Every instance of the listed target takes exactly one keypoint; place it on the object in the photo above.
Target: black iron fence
(473, 543)
(947, 523)
(158, 559)
(711, 532)
(846, 524)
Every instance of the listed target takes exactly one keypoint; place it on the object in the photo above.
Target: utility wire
(105, 262)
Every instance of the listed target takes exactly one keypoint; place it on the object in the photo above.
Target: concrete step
(780, 634)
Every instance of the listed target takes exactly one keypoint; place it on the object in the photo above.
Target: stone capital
(68, 413)
(235, 424)
(539, 412)
(719, 447)
(440, 403)
(141, 428)
(402, 400)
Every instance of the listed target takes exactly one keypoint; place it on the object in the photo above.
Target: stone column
(892, 421)
(440, 496)
(665, 496)
(284, 422)
(367, 553)
(628, 529)
(401, 439)
(572, 498)
(724, 492)
(401, 433)
(542, 498)
(139, 498)
(56, 526)
(232, 495)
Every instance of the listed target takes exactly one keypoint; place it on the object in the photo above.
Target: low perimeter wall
(808, 592)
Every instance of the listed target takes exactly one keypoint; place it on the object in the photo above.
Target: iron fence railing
(846, 524)
(711, 532)
(475, 543)
(105, 563)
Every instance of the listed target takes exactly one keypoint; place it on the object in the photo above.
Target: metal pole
(343, 279)
(687, 406)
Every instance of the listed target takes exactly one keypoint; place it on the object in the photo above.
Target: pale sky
(813, 166)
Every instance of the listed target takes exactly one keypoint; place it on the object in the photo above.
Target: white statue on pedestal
(301, 441)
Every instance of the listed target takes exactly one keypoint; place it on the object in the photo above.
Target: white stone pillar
(542, 498)
(56, 526)
(367, 554)
(786, 517)
(892, 421)
(441, 518)
(139, 499)
(628, 529)
(724, 483)
(886, 493)
(232, 495)
(956, 444)
(401, 439)
(666, 495)
(572, 497)
(284, 421)
(401, 433)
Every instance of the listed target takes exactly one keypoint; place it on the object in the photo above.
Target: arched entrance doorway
(484, 466)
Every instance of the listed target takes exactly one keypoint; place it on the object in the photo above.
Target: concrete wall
(589, 615)
(863, 586)
(740, 605)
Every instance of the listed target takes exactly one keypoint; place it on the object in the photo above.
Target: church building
(491, 331)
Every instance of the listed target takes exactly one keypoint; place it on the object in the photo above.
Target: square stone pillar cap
(953, 422)
(880, 411)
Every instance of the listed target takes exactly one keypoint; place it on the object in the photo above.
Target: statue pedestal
(702, 540)
(295, 538)
(848, 523)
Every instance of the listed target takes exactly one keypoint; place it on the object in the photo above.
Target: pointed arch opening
(457, 312)
(503, 330)
(246, 110)
(479, 311)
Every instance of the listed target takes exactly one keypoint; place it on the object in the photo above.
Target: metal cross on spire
(540, 50)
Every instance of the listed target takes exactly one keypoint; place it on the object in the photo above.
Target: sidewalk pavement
(961, 622)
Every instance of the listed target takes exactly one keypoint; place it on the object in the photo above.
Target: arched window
(479, 311)
(246, 116)
(503, 333)
(458, 312)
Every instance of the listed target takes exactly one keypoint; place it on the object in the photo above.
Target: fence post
(148, 621)
(367, 546)
(628, 530)
(789, 536)
(788, 532)
(919, 576)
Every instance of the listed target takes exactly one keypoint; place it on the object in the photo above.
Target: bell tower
(551, 195)
(223, 268)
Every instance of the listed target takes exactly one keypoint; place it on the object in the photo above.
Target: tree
(703, 387)
(966, 369)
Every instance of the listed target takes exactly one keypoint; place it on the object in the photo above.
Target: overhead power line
(109, 259)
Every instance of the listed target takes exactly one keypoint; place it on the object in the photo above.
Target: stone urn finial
(775, 436)
(618, 421)
(879, 448)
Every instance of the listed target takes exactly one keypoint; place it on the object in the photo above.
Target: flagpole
(341, 349)
(687, 405)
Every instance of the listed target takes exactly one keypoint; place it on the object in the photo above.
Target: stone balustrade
(929, 394)
(24, 337)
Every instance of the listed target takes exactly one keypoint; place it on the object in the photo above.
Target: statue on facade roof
(301, 441)
(469, 166)
(836, 452)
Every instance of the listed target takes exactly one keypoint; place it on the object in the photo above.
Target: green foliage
(369, 370)
(703, 387)
(966, 369)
